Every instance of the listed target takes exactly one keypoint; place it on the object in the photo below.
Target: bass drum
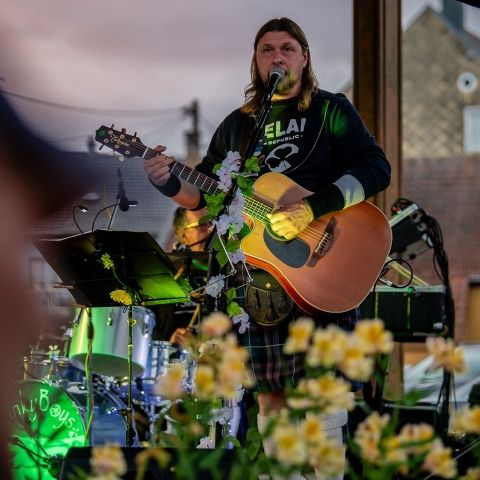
(48, 420)
(110, 341)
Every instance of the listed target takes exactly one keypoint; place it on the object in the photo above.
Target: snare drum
(110, 341)
(40, 365)
(48, 420)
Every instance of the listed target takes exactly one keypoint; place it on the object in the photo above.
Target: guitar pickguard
(294, 253)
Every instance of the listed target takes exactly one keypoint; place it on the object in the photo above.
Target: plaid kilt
(272, 369)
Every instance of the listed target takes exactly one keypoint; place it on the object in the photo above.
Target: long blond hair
(254, 90)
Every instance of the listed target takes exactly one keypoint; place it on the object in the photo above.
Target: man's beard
(287, 84)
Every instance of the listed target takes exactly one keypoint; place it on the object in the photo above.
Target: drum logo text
(40, 407)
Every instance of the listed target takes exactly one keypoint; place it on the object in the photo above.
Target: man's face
(280, 49)
(192, 232)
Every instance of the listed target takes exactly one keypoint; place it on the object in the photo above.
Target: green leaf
(243, 232)
(252, 164)
(232, 245)
(414, 396)
(217, 244)
(215, 203)
(245, 184)
(221, 257)
(231, 294)
(233, 308)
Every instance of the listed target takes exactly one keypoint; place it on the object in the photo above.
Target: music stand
(139, 263)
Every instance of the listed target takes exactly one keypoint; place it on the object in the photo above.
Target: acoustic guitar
(330, 266)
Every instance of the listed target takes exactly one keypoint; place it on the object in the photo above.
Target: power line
(78, 109)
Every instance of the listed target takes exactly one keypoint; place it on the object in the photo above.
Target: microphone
(123, 203)
(276, 76)
(83, 209)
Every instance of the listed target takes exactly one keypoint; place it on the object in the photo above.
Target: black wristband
(171, 188)
(327, 199)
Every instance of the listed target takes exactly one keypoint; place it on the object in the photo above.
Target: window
(471, 128)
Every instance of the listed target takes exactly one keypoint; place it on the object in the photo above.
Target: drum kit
(96, 390)
(51, 414)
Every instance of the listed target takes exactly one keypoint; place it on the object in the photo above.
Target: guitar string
(260, 209)
(308, 232)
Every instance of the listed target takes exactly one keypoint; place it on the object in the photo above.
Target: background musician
(172, 320)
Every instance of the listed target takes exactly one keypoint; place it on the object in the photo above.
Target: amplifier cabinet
(410, 313)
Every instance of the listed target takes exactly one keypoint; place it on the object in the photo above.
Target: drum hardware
(139, 263)
(232, 423)
(153, 417)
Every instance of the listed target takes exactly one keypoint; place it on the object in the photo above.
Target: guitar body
(343, 276)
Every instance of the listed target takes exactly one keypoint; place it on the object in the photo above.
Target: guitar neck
(253, 207)
(190, 175)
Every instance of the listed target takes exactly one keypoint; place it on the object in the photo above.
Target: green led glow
(46, 424)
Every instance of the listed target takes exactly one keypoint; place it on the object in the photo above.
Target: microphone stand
(89, 372)
(258, 127)
(130, 433)
(123, 203)
(213, 267)
(276, 76)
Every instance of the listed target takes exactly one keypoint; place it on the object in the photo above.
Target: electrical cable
(78, 109)
(432, 232)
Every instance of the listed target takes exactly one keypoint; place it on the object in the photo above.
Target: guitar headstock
(119, 141)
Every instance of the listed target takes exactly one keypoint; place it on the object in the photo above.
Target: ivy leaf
(217, 244)
(232, 245)
(243, 232)
(222, 258)
(233, 308)
(231, 294)
(245, 184)
(215, 204)
(252, 164)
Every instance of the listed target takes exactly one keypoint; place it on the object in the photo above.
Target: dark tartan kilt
(271, 369)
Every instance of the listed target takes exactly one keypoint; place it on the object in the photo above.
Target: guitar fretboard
(254, 208)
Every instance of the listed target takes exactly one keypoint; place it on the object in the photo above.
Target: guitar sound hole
(294, 253)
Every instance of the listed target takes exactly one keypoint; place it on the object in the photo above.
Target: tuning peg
(112, 125)
(135, 134)
(124, 130)
(100, 147)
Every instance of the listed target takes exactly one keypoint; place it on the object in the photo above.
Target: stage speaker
(410, 313)
(78, 460)
(421, 412)
(409, 233)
